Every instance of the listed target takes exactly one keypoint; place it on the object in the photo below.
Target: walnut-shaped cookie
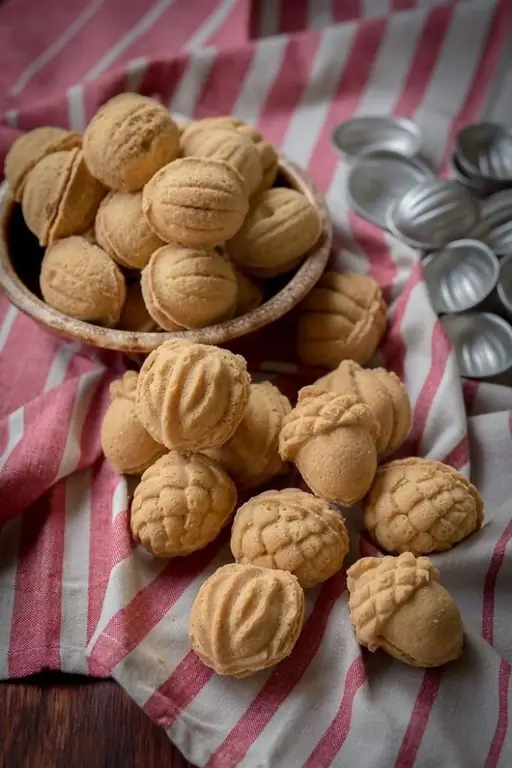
(342, 318)
(398, 604)
(135, 316)
(421, 506)
(293, 531)
(192, 396)
(281, 227)
(181, 504)
(383, 393)
(332, 440)
(251, 456)
(249, 294)
(245, 619)
(124, 441)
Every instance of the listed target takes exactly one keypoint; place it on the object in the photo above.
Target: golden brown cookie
(421, 506)
(398, 604)
(383, 393)
(245, 619)
(123, 232)
(342, 318)
(60, 197)
(30, 148)
(192, 396)
(249, 294)
(251, 456)
(80, 280)
(135, 316)
(181, 504)
(128, 140)
(189, 287)
(332, 440)
(279, 230)
(293, 531)
(124, 441)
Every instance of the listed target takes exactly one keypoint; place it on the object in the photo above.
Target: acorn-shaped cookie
(332, 440)
(124, 441)
(189, 287)
(398, 604)
(383, 393)
(279, 230)
(251, 456)
(80, 280)
(181, 504)
(196, 201)
(421, 506)
(30, 148)
(245, 619)
(128, 140)
(343, 317)
(293, 531)
(60, 197)
(192, 396)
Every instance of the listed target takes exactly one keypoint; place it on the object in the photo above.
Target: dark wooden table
(65, 721)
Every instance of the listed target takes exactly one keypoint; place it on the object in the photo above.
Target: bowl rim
(131, 342)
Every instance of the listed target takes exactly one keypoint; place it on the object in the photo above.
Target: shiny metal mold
(482, 343)
(485, 150)
(377, 180)
(479, 186)
(460, 276)
(495, 227)
(374, 133)
(504, 287)
(433, 214)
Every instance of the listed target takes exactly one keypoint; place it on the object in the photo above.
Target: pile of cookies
(198, 431)
(150, 225)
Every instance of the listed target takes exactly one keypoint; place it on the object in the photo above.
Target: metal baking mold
(504, 287)
(485, 150)
(495, 227)
(433, 214)
(476, 183)
(482, 343)
(377, 180)
(460, 276)
(375, 133)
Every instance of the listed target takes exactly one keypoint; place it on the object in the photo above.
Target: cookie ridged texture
(249, 294)
(80, 280)
(421, 506)
(128, 140)
(122, 230)
(192, 396)
(343, 317)
(279, 230)
(197, 202)
(245, 619)
(124, 441)
(181, 504)
(190, 287)
(292, 531)
(30, 148)
(384, 394)
(79, 203)
(251, 456)
(135, 316)
(224, 143)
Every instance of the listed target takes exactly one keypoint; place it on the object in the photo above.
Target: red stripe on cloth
(223, 83)
(346, 10)
(293, 17)
(419, 719)
(334, 737)
(176, 693)
(281, 682)
(36, 619)
(130, 625)
(470, 391)
(491, 577)
(500, 733)
(121, 542)
(394, 347)
(235, 29)
(459, 455)
(402, 5)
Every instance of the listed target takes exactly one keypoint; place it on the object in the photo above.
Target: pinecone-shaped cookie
(293, 531)
(124, 441)
(192, 396)
(196, 201)
(343, 317)
(251, 456)
(181, 504)
(279, 230)
(398, 604)
(245, 619)
(189, 287)
(421, 506)
(383, 393)
(332, 440)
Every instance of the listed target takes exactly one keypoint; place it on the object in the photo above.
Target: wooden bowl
(20, 263)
